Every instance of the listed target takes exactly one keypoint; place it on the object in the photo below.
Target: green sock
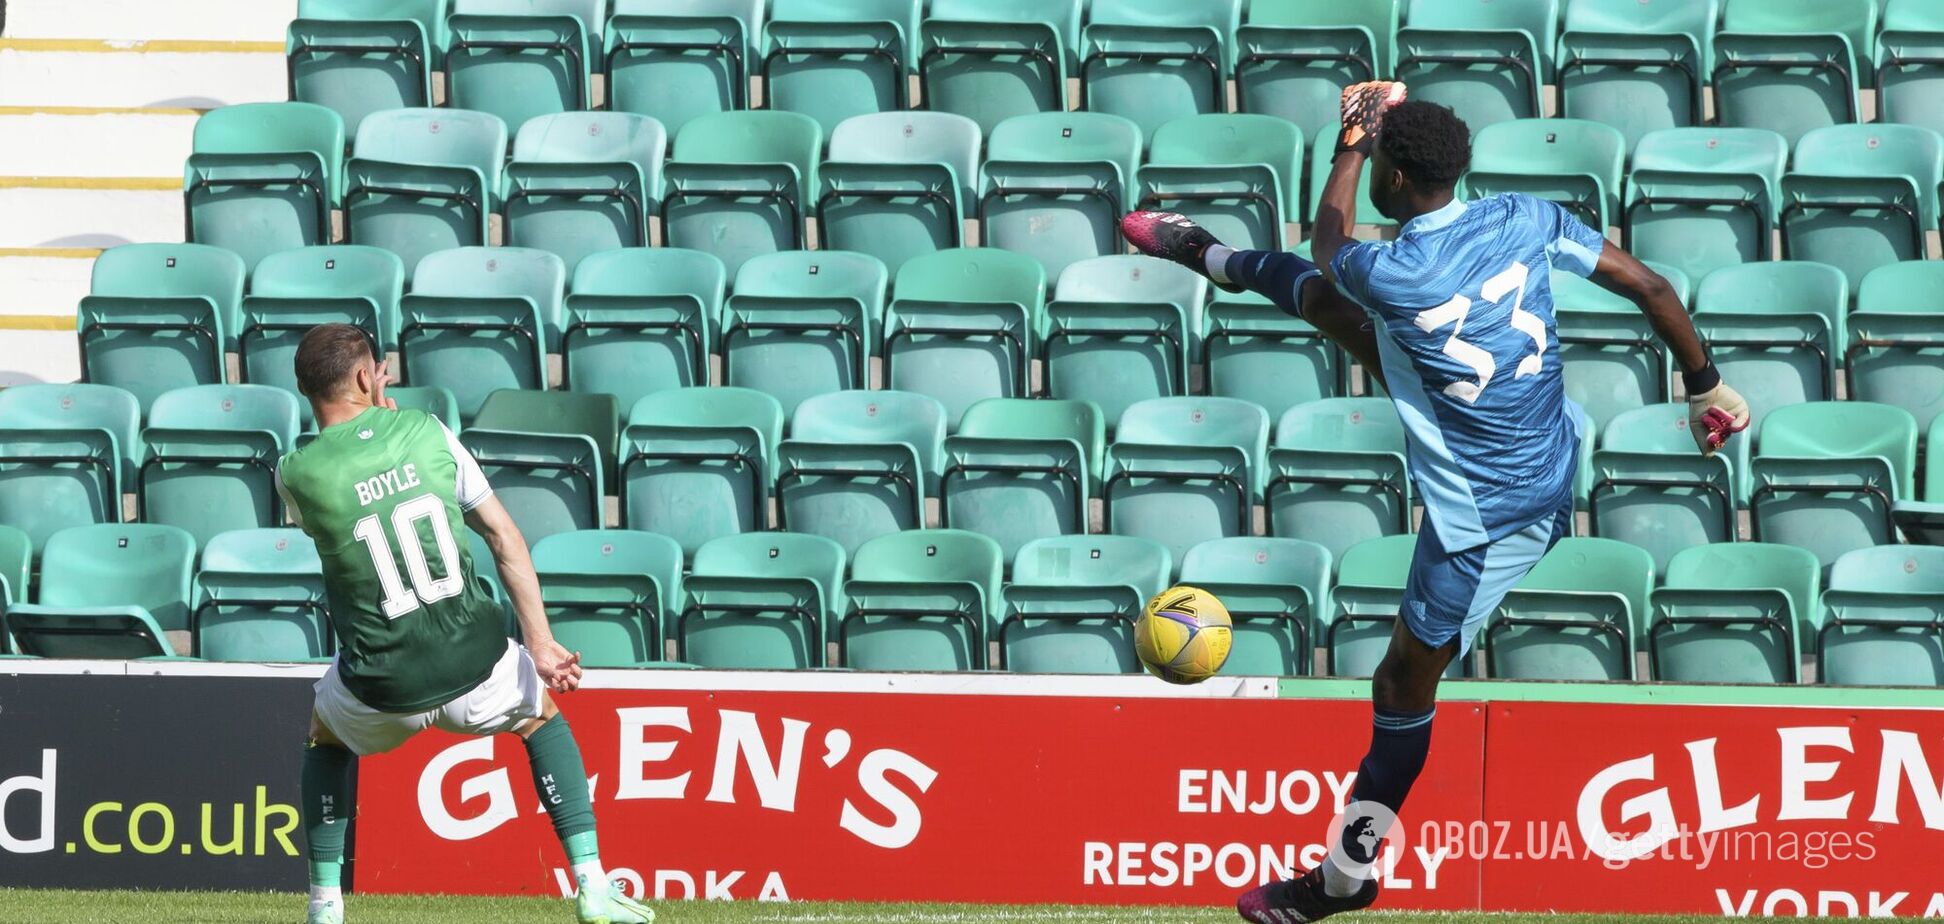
(581, 848)
(561, 781)
(327, 807)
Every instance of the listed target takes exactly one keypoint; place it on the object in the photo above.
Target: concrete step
(86, 141)
(89, 211)
(148, 74)
(38, 349)
(251, 20)
(44, 280)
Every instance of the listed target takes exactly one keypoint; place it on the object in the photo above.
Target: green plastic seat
(519, 59)
(1238, 175)
(263, 177)
(1577, 615)
(896, 184)
(260, 597)
(1071, 606)
(990, 60)
(1273, 589)
(609, 591)
(1923, 521)
(357, 57)
(1612, 360)
(108, 591)
(761, 601)
(428, 398)
(583, 182)
(1910, 64)
(1637, 66)
(803, 323)
(739, 184)
(1792, 65)
(1185, 470)
(1154, 61)
(1896, 339)
(211, 456)
(1020, 469)
(1574, 162)
(1258, 352)
(859, 464)
(833, 59)
(964, 326)
(1862, 196)
(1736, 612)
(479, 319)
(921, 600)
(1486, 59)
(1827, 474)
(296, 290)
(423, 180)
(1365, 600)
(640, 320)
(1652, 489)
(547, 454)
(1055, 185)
(698, 463)
(1774, 329)
(1294, 57)
(16, 561)
(66, 451)
(1703, 198)
(1321, 156)
(1336, 474)
(159, 316)
(673, 60)
(1883, 618)
(1120, 331)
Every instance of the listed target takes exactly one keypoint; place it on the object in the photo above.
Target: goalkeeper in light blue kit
(1455, 316)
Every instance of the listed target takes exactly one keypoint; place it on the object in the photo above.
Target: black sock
(1398, 744)
(1273, 274)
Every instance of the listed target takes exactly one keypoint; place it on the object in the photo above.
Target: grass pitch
(18, 906)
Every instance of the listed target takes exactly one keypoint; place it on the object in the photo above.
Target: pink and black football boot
(1300, 901)
(1171, 236)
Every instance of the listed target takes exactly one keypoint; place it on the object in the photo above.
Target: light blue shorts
(1452, 593)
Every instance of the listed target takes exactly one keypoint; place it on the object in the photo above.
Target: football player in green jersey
(386, 495)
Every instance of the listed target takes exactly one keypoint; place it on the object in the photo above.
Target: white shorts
(508, 696)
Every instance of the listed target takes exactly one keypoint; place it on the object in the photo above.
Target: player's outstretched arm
(1715, 411)
(1336, 210)
(559, 668)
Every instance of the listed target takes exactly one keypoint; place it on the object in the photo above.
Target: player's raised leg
(561, 780)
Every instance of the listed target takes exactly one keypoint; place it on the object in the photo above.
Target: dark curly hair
(1428, 142)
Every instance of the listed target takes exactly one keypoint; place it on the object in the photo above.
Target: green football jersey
(383, 495)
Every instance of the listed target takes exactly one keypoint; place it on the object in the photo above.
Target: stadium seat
(428, 398)
(479, 319)
(1258, 352)
(1896, 340)
(1071, 605)
(583, 182)
(1238, 175)
(518, 59)
(109, 590)
(66, 452)
(1273, 589)
(639, 321)
(1294, 57)
(803, 323)
(896, 184)
(1120, 330)
(159, 316)
(1861, 196)
(1792, 65)
(1923, 521)
(16, 563)
(1653, 490)
(1639, 67)
(357, 57)
(1154, 61)
(211, 458)
(423, 180)
(1322, 157)
(296, 290)
(990, 60)
(833, 59)
(1020, 469)
(761, 601)
(1703, 198)
(609, 591)
(1486, 59)
(1185, 470)
(964, 327)
(1364, 602)
(1577, 615)
(739, 184)
(1611, 358)
(1055, 185)
(697, 463)
(1910, 64)
(1336, 473)
(859, 464)
(673, 60)
(263, 177)
(1883, 618)
(260, 597)
(921, 600)
(1827, 474)
(1574, 162)
(547, 454)
(1734, 613)
(1774, 329)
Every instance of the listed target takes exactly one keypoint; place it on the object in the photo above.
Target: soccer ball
(1183, 635)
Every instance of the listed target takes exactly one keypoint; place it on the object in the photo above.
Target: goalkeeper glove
(1715, 411)
(1363, 113)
